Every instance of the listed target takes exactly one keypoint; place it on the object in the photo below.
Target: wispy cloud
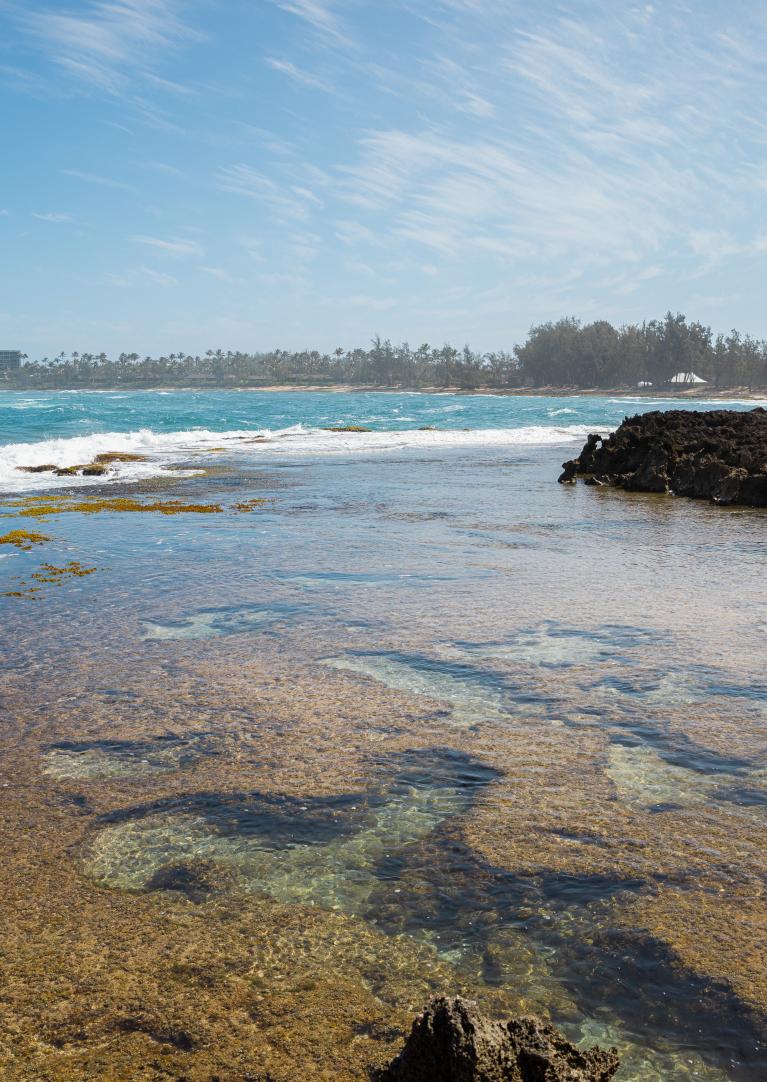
(287, 201)
(484, 162)
(52, 216)
(298, 75)
(158, 277)
(253, 247)
(94, 178)
(220, 273)
(320, 16)
(178, 247)
(109, 39)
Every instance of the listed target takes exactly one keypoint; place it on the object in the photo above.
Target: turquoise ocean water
(70, 427)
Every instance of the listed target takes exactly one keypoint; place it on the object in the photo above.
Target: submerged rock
(196, 879)
(718, 455)
(452, 1041)
(107, 457)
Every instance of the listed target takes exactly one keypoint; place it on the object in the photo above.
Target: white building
(686, 379)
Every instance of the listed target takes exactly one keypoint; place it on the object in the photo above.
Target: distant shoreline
(701, 393)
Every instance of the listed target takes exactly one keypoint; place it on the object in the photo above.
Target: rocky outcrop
(718, 455)
(452, 1041)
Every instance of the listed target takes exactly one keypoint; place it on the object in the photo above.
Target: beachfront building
(686, 379)
(9, 359)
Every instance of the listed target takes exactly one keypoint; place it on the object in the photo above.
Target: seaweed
(120, 456)
(23, 539)
(43, 506)
(52, 575)
(347, 428)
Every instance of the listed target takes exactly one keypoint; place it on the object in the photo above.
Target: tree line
(563, 354)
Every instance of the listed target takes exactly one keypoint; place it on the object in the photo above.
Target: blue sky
(259, 173)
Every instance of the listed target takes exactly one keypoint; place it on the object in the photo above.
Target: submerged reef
(95, 760)
(285, 906)
(311, 852)
(718, 455)
(453, 1041)
(474, 695)
(212, 623)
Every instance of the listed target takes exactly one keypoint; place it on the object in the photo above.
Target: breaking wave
(164, 449)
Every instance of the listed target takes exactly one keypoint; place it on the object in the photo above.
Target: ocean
(70, 427)
(302, 726)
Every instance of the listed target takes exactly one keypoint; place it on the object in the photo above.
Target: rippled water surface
(422, 719)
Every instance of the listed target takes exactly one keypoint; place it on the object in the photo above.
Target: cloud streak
(319, 16)
(109, 39)
(177, 247)
(298, 75)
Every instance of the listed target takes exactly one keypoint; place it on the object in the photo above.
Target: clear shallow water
(518, 725)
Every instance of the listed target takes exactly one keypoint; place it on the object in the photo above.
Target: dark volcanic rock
(453, 1042)
(718, 455)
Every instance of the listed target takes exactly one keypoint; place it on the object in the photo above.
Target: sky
(252, 174)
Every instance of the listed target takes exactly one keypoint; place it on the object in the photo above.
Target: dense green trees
(567, 353)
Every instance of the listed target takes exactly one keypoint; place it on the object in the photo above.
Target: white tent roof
(686, 377)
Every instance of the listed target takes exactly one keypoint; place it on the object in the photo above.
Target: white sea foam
(163, 448)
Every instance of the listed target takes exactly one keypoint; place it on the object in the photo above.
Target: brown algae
(107, 457)
(43, 506)
(347, 428)
(72, 569)
(250, 505)
(96, 468)
(23, 539)
(50, 574)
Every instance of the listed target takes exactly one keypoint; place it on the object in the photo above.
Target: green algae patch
(348, 428)
(96, 468)
(23, 539)
(42, 507)
(244, 506)
(107, 457)
(52, 573)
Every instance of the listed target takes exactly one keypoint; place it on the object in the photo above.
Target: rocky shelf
(452, 1041)
(718, 455)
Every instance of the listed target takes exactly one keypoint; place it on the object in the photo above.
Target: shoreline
(694, 393)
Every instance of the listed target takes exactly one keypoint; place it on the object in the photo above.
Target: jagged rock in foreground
(719, 455)
(453, 1042)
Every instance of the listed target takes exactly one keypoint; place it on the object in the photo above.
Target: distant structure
(644, 383)
(685, 379)
(10, 359)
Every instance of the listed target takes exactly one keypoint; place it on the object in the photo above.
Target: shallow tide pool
(421, 720)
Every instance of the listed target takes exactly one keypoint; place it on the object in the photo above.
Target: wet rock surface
(453, 1041)
(718, 455)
